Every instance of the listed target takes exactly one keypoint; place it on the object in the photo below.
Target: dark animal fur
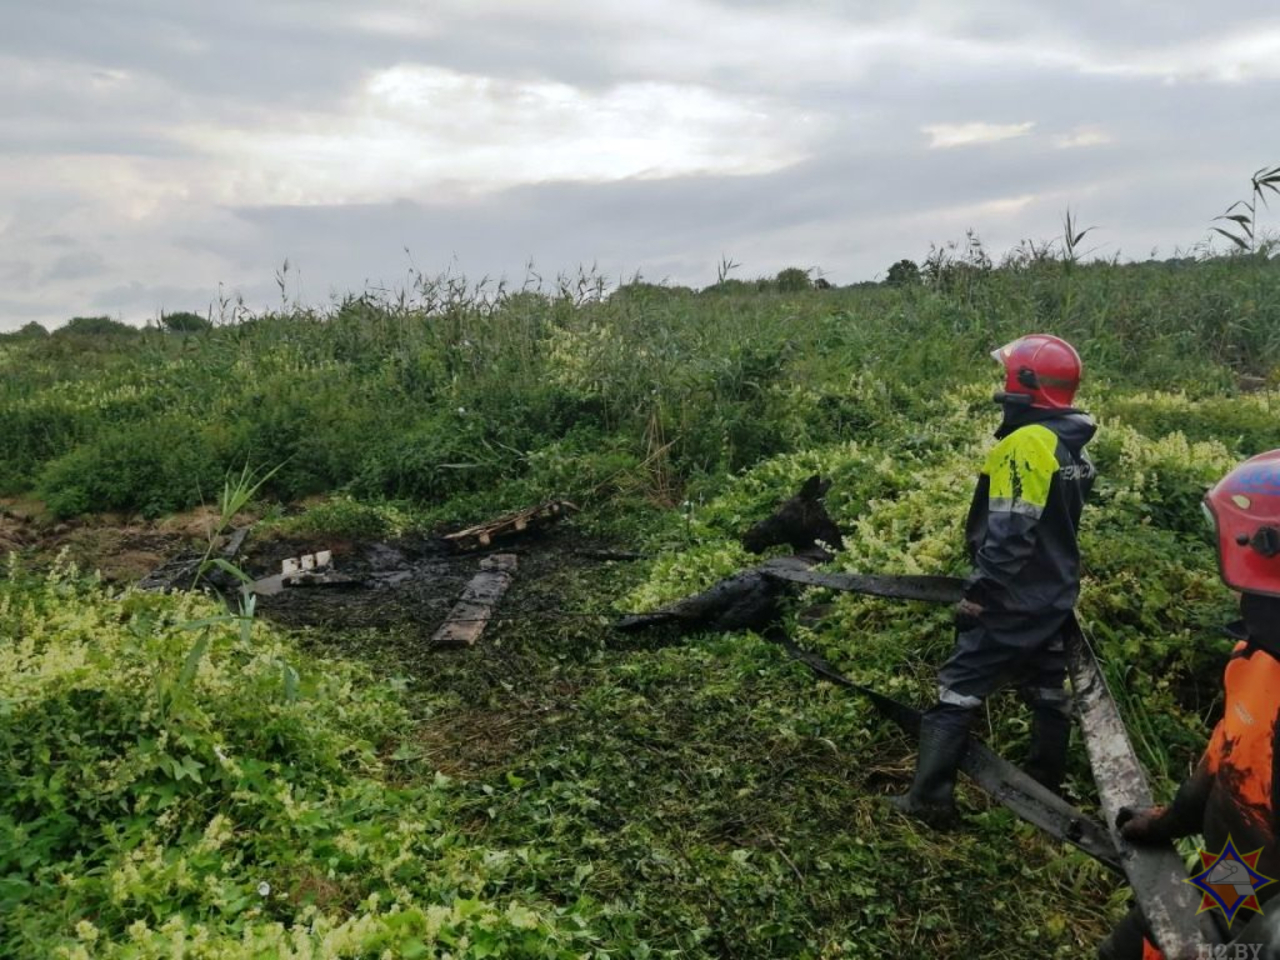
(800, 522)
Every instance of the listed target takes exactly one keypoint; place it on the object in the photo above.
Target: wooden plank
(522, 521)
(1156, 872)
(474, 609)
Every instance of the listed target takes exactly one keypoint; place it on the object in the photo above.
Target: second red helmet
(1245, 507)
(1044, 368)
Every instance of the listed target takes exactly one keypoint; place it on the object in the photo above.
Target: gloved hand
(1146, 824)
(966, 614)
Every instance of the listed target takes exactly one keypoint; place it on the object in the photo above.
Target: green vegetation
(561, 792)
(456, 392)
(185, 322)
(157, 793)
(904, 273)
(95, 327)
(27, 331)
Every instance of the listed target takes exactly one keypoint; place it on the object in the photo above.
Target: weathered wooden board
(533, 518)
(1156, 872)
(474, 609)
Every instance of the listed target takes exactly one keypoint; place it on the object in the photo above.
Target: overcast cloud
(156, 154)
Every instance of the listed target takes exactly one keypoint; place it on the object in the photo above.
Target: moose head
(799, 522)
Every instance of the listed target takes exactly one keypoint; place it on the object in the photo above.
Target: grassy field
(171, 786)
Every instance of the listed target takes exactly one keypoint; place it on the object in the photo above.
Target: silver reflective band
(1052, 694)
(949, 696)
(1009, 505)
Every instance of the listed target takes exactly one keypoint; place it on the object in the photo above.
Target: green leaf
(192, 662)
(191, 767)
(1232, 237)
(406, 752)
(226, 566)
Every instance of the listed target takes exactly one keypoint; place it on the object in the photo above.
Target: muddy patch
(408, 588)
(16, 533)
(124, 550)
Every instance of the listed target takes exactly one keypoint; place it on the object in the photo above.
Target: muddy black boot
(1050, 736)
(1126, 940)
(944, 737)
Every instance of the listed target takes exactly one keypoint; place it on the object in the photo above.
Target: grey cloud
(138, 300)
(870, 192)
(16, 273)
(76, 266)
(300, 54)
(21, 136)
(14, 313)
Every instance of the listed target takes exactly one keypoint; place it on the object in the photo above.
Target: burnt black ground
(408, 586)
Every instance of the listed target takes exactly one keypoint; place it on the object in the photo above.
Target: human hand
(1145, 824)
(967, 613)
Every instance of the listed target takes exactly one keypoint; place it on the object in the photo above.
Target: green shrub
(432, 460)
(150, 468)
(28, 331)
(904, 273)
(94, 327)
(792, 280)
(185, 321)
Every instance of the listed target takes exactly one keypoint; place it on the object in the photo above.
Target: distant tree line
(184, 322)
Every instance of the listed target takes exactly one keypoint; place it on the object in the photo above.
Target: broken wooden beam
(1156, 872)
(930, 589)
(184, 571)
(475, 608)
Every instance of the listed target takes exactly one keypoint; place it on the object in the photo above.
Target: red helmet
(1042, 367)
(1245, 508)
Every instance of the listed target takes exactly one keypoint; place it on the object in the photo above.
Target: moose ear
(813, 488)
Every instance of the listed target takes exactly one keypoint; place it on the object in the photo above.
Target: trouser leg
(1044, 692)
(973, 671)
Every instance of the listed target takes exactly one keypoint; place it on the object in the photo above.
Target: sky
(166, 155)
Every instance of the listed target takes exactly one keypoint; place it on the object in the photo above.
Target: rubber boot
(1050, 737)
(1127, 940)
(944, 738)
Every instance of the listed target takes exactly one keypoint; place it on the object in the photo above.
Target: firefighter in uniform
(1021, 536)
(1235, 789)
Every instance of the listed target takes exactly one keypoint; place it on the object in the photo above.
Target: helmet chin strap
(1012, 399)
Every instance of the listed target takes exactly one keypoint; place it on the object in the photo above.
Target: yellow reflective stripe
(1021, 467)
